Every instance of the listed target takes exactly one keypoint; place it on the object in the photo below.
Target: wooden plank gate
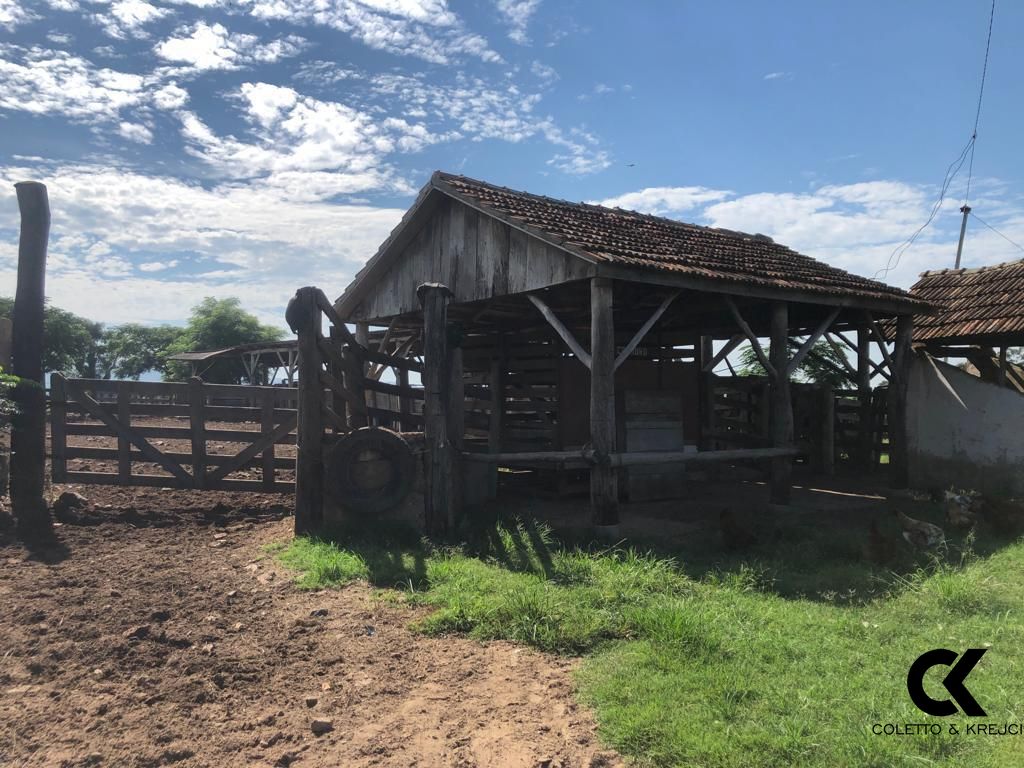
(192, 419)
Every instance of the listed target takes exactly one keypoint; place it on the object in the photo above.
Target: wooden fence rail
(143, 448)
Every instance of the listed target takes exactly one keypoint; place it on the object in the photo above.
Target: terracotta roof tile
(650, 242)
(986, 301)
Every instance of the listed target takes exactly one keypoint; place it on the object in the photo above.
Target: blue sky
(247, 147)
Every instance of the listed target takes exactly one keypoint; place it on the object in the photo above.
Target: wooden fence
(147, 454)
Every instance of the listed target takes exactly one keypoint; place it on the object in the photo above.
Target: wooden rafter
(875, 367)
(751, 337)
(723, 353)
(801, 353)
(876, 331)
(567, 336)
(639, 335)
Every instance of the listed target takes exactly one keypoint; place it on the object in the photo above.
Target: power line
(981, 93)
(1015, 244)
(954, 168)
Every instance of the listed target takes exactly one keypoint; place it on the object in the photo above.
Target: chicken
(919, 534)
(879, 550)
(734, 535)
(961, 508)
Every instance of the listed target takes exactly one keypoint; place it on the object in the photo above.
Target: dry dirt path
(159, 633)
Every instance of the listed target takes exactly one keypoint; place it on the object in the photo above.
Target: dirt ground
(153, 630)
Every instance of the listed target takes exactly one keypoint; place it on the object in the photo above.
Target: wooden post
(828, 431)
(604, 490)
(456, 399)
(355, 383)
(439, 500)
(266, 427)
(1002, 366)
(899, 475)
(197, 430)
(706, 388)
(309, 466)
(336, 402)
(497, 384)
(404, 401)
(781, 403)
(865, 419)
(124, 445)
(28, 435)
(58, 429)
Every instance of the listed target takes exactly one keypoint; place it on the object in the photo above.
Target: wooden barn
(557, 335)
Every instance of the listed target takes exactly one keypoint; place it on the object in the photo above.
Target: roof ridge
(967, 270)
(758, 237)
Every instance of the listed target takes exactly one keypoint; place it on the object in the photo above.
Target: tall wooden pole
(309, 468)
(28, 437)
(604, 488)
(706, 388)
(865, 418)
(899, 475)
(439, 501)
(781, 403)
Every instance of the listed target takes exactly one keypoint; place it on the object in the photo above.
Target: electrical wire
(954, 168)
(1015, 244)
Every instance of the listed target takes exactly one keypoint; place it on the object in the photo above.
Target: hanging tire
(370, 470)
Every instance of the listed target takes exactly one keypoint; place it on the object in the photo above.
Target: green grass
(785, 656)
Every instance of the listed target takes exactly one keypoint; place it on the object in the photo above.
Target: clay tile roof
(648, 242)
(981, 302)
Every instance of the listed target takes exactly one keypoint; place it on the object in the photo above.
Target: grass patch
(742, 661)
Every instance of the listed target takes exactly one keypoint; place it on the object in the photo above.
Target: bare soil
(154, 630)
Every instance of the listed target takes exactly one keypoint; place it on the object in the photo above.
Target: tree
(131, 349)
(70, 342)
(216, 324)
(822, 365)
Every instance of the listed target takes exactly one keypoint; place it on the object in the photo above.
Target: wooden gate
(227, 435)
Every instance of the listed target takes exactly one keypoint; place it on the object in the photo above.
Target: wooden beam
(781, 404)
(873, 367)
(801, 353)
(567, 336)
(58, 429)
(309, 462)
(713, 360)
(876, 331)
(439, 498)
(250, 452)
(197, 428)
(751, 337)
(896, 403)
(644, 329)
(851, 372)
(632, 459)
(604, 488)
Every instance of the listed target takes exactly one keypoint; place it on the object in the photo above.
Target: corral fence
(171, 447)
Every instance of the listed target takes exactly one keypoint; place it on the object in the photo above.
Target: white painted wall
(963, 431)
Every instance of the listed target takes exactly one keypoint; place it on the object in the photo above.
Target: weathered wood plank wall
(476, 256)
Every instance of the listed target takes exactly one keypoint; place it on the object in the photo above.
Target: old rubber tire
(370, 470)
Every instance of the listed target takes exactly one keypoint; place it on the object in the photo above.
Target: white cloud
(665, 201)
(59, 38)
(13, 13)
(543, 72)
(245, 240)
(128, 17)
(778, 76)
(517, 14)
(426, 29)
(211, 46)
(136, 132)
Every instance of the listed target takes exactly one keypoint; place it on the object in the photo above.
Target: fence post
(58, 431)
(266, 427)
(197, 428)
(309, 467)
(124, 446)
(355, 383)
(28, 437)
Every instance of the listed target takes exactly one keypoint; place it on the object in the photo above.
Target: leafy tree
(216, 324)
(70, 342)
(818, 367)
(130, 350)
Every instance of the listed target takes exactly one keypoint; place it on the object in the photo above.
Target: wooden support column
(604, 489)
(781, 403)
(197, 430)
(439, 500)
(309, 468)
(828, 431)
(496, 380)
(404, 401)
(28, 436)
(899, 476)
(706, 389)
(865, 418)
(354, 372)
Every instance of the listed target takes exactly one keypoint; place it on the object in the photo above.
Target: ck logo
(953, 682)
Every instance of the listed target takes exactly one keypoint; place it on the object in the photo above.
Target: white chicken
(918, 533)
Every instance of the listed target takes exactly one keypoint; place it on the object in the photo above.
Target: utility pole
(965, 209)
